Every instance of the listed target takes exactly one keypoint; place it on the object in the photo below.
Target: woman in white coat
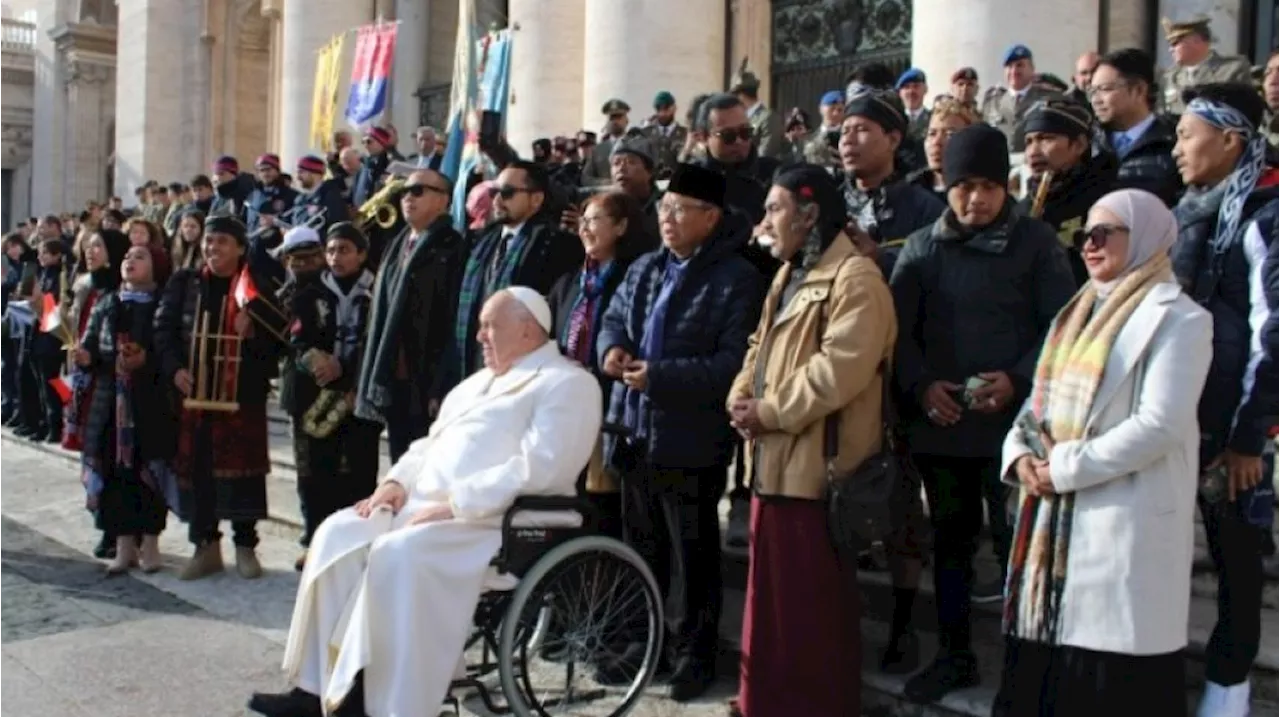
(1099, 587)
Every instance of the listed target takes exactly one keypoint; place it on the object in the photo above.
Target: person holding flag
(46, 356)
(218, 340)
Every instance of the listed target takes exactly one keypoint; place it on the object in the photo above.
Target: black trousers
(1237, 549)
(1062, 681)
(671, 518)
(956, 488)
(128, 506)
(46, 367)
(9, 389)
(407, 419)
(29, 404)
(340, 470)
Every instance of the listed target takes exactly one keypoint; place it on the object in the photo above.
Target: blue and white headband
(1248, 169)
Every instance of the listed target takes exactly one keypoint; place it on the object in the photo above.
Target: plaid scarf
(586, 311)
(473, 285)
(1067, 377)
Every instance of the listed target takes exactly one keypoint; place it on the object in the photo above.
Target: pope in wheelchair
(386, 602)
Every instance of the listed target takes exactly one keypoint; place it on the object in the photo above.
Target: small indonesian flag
(50, 317)
(246, 290)
(62, 385)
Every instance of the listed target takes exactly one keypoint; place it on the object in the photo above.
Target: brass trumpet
(380, 210)
(315, 221)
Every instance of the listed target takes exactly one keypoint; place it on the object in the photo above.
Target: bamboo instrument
(215, 358)
(1042, 194)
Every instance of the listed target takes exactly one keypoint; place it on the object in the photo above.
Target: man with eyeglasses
(408, 367)
(1122, 93)
(523, 247)
(731, 153)
(673, 338)
(1058, 134)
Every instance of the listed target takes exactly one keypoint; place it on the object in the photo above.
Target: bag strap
(888, 416)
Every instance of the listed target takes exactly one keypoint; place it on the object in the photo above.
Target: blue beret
(1015, 53)
(832, 97)
(913, 74)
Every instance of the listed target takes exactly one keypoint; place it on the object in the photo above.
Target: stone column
(307, 26)
(49, 109)
(410, 68)
(634, 48)
(90, 102)
(546, 70)
(949, 34)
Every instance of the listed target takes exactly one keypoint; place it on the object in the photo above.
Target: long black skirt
(1040, 680)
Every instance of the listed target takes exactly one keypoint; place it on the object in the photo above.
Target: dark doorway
(817, 43)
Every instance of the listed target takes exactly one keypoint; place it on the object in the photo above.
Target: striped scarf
(1067, 377)
(586, 312)
(473, 285)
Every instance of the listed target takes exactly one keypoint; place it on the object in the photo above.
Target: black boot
(294, 703)
(106, 548)
(901, 655)
(692, 677)
(947, 673)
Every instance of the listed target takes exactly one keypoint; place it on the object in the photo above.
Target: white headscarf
(1152, 229)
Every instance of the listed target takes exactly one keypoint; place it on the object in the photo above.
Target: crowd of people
(1077, 355)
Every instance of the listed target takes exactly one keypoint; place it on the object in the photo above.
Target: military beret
(615, 106)
(913, 74)
(832, 97)
(663, 100)
(1015, 53)
(965, 73)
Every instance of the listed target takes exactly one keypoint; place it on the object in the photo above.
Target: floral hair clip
(806, 192)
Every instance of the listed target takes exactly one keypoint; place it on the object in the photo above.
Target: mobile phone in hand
(1031, 431)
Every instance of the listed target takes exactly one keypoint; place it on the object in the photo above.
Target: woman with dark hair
(186, 252)
(611, 228)
(814, 369)
(143, 232)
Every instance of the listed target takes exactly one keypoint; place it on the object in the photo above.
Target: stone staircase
(882, 694)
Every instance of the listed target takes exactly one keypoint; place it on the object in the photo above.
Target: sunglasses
(417, 190)
(506, 191)
(1096, 235)
(734, 134)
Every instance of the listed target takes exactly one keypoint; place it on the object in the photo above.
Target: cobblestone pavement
(76, 642)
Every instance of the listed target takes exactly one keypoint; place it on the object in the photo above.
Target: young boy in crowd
(336, 452)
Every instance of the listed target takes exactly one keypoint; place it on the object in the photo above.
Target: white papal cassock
(397, 602)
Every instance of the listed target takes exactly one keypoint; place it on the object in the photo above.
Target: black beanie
(1060, 116)
(222, 224)
(882, 107)
(978, 150)
(350, 232)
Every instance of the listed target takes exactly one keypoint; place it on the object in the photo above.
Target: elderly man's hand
(636, 375)
(432, 514)
(390, 494)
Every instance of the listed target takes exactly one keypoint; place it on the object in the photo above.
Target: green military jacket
(1003, 109)
(1215, 68)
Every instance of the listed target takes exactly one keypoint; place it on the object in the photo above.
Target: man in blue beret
(1004, 106)
(912, 88)
(820, 147)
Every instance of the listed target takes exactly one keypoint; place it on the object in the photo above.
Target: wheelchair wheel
(582, 632)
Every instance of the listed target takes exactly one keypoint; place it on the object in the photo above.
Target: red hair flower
(806, 192)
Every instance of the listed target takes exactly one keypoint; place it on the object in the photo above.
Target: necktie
(499, 258)
(1121, 143)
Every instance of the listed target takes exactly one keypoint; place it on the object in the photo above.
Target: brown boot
(206, 561)
(247, 563)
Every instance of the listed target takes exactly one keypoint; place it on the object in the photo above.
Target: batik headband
(1248, 168)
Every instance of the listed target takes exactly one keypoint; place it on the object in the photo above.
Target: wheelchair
(581, 631)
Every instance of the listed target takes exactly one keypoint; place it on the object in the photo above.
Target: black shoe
(947, 673)
(901, 655)
(6, 415)
(53, 436)
(106, 548)
(621, 669)
(28, 431)
(692, 678)
(295, 703)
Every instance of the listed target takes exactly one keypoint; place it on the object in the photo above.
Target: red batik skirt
(801, 650)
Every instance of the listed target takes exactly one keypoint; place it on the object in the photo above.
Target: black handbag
(860, 502)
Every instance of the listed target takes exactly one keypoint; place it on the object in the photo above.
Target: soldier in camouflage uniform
(1195, 61)
(964, 87)
(665, 134)
(821, 146)
(912, 86)
(595, 165)
(766, 123)
(1003, 107)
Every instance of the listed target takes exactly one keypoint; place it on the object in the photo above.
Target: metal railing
(17, 35)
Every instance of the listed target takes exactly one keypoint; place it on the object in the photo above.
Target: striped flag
(489, 87)
(371, 73)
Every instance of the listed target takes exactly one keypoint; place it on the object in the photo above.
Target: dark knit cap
(226, 163)
(979, 151)
(880, 106)
(1058, 115)
(225, 225)
(379, 135)
(636, 145)
(696, 182)
(311, 163)
(268, 160)
(350, 232)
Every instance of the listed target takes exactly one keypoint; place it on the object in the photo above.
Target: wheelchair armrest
(543, 504)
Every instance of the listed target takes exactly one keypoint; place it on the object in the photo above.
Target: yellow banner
(324, 98)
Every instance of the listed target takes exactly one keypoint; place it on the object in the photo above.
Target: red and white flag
(50, 317)
(62, 385)
(246, 290)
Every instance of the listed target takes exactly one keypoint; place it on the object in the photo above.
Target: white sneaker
(1220, 701)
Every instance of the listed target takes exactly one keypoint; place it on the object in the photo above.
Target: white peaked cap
(299, 237)
(534, 302)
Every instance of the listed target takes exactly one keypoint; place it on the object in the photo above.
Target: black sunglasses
(1096, 235)
(733, 134)
(506, 191)
(417, 190)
